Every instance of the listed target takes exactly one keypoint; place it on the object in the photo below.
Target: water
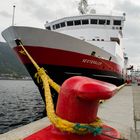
(20, 104)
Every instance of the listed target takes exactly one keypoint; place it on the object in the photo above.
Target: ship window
(54, 27)
(108, 22)
(93, 53)
(120, 28)
(102, 39)
(114, 39)
(93, 21)
(77, 22)
(110, 58)
(57, 26)
(69, 23)
(85, 21)
(49, 28)
(62, 24)
(101, 21)
(98, 39)
(117, 22)
(93, 39)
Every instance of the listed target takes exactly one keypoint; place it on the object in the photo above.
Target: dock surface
(118, 111)
(122, 112)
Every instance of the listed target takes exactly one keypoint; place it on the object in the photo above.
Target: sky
(35, 13)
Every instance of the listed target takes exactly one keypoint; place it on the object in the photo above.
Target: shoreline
(12, 78)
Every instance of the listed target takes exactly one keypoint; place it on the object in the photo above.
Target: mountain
(9, 63)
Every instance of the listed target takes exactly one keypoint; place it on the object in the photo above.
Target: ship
(89, 44)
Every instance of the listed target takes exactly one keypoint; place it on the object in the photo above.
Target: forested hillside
(9, 63)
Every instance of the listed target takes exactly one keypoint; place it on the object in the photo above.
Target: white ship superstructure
(103, 31)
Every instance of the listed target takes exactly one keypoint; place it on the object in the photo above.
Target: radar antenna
(83, 7)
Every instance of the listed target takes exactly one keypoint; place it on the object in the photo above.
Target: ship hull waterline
(59, 67)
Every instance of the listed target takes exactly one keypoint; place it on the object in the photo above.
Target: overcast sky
(36, 12)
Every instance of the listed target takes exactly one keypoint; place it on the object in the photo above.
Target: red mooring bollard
(78, 102)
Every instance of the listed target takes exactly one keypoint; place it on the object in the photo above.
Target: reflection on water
(20, 104)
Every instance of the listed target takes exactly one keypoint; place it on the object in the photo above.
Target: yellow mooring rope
(64, 125)
(117, 89)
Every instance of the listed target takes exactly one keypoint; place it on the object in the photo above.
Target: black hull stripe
(59, 74)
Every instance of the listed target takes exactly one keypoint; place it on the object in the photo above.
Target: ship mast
(83, 7)
(13, 16)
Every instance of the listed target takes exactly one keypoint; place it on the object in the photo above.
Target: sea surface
(20, 104)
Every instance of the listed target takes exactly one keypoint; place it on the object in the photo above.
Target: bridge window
(77, 22)
(49, 28)
(93, 21)
(62, 24)
(101, 21)
(69, 23)
(117, 22)
(57, 26)
(54, 27)
(108, 22)
(85, 21)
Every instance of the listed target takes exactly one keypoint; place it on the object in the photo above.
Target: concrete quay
(122, 112)
(118, 112)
